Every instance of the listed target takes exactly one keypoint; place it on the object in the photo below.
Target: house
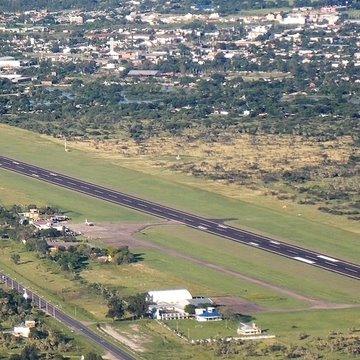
(208, 314)
(169, 314)
(42, 224)
(31, 214)
(30, 324)
(21, 330)
(246, 329)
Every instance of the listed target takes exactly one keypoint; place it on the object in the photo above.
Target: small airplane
(88, 223)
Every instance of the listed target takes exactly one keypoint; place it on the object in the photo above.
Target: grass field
(159, 271)
(253, 262)
(270, 219)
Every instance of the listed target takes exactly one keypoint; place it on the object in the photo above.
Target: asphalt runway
(305, 256)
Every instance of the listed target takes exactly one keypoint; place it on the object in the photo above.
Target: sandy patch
(134, 341)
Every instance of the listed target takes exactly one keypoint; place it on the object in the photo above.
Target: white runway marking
(330, 263)
(304, 260)
(202, 227)
(253, 243)
(327, 258)
(292, 251)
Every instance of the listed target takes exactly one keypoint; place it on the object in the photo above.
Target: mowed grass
(285, 326)
(161, 271)
(288, 325)
(44, 151)
(285, 273)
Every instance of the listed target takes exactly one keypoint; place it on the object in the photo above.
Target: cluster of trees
(137, 305)
(75, 258)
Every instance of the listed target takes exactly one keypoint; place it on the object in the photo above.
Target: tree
(138, 304)
(115, 307)
(15, 258)
(124, 256)
(190, 309)
(30, 352)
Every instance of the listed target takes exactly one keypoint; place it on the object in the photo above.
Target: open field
(160, 271)
(320, 232)
(306, 280)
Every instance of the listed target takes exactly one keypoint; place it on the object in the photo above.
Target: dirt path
(122, 234)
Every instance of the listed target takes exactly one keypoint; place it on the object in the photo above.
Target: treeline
(181, 7)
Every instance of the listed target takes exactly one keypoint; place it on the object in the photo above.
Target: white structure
(245, 329)
(21, 330)
(170, 314)
(169, 296)
(9, 62)
(208, 314)
(294, 19)
(170, 304)
(78, 20)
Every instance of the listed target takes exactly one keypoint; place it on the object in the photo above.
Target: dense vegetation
(14, 309)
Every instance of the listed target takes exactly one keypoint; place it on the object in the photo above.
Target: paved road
(70, 322)
(305, 256)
